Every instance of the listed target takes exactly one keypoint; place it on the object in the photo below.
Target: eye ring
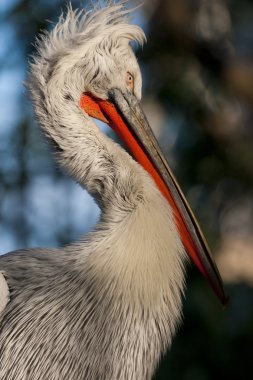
(130, 80)
(129, 77)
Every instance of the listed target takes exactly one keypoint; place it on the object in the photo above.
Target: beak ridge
(193, 239)
(123, 113)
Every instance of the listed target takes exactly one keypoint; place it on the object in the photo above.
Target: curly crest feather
(100, 26)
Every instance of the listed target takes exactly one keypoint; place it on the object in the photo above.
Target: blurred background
(198, 94)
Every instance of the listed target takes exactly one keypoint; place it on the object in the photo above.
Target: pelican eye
(130, 81)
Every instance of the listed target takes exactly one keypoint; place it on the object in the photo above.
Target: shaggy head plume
(82, 39)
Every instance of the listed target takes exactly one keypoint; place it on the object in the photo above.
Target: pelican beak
(123, 113)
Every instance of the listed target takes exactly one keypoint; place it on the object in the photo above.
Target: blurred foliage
(197, 66)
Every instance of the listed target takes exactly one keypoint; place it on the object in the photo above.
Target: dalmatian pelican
(107, 306)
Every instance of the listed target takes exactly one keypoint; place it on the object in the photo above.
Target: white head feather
(95, 44)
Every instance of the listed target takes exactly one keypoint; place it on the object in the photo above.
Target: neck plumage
(80, 147)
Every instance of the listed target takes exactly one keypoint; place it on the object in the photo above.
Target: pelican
(107, 306)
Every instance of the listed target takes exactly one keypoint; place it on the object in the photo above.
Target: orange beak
(124, 115)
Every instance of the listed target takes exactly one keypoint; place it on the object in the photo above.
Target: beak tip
(222, 296)
(225, 300)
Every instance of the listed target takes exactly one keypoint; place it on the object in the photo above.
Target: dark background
(198, 94)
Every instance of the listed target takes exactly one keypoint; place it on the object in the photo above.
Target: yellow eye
(130, 81)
